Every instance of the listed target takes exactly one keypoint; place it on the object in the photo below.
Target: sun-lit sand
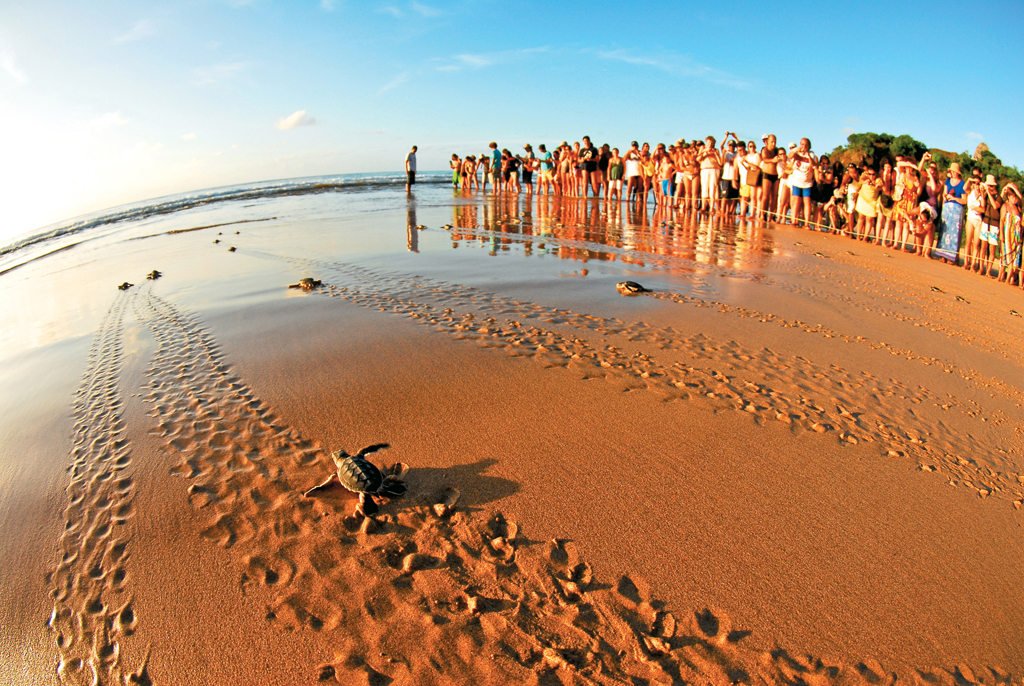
(797, 460)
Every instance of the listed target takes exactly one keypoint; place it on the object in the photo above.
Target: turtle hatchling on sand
(125, 286)
(307, 284)
(361, 476)
(154, 275)
(631, 288)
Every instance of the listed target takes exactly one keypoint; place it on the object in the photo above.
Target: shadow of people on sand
(428, 484)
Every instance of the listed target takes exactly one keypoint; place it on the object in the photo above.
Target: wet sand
(793, 461)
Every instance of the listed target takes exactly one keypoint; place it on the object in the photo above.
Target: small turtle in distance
(125, 286)
(361, 476)
(231, 249)
(630, 288)
(154, 275)
(307, 284)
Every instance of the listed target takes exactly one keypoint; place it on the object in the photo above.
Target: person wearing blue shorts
(801, 181)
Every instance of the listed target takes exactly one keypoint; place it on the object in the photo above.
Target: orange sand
(810, 476)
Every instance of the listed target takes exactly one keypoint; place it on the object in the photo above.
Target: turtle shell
(358, 474)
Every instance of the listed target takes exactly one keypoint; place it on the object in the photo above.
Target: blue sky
(103, 103)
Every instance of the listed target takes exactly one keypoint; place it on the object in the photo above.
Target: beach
(797, 459)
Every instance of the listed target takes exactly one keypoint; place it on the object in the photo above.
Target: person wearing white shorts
(710, 173)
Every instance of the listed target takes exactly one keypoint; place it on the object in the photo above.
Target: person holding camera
(989, 235)
(801, 182)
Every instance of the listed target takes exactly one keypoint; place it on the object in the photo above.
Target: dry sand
(793, 462)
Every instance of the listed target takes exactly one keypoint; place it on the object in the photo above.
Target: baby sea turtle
(125, 286)
(631, 288)
(307, 284)
(231, 249)
(359, 475)
(154, 275)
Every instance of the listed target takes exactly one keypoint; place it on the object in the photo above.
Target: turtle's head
(338, 456)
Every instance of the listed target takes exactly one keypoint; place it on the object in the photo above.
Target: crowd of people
(904, 203)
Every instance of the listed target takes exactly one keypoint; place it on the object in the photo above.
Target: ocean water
(56, 283)
(66, 233)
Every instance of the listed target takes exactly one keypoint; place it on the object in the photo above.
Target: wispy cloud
(189, 136)
(140, 30)
(294, 120)
(328, 5)
(217, 72)
(975, 136)
(392, 10)
(847, 131)
(394, 83)
(424, 10)
(852, 120)
(7, 62)
(108, 121)
(679, 65)
(374, 132)
(481, 60)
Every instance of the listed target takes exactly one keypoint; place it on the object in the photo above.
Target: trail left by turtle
(630, 288)
(361, 476)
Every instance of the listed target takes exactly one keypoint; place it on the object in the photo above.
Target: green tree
(907, 146)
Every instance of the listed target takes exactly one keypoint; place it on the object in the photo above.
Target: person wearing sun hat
(954, 198)
(1010, 235)
(989, 234)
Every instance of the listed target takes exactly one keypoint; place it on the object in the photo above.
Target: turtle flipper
(325, 484)
(367, 505)
(372, 449)
(393, 487)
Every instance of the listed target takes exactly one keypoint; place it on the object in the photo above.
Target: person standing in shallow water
(410, 169)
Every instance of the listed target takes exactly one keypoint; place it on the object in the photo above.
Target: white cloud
(476, 61)
(481, 60)
(328, 5)
(852, 120)
(189, 136)
(295, 119)
(847, 131)
(394, 83)
(108, 121)
(140, 30)
(676, 64)
(7, 62)
(393, 11)
(425, 10)
(975, 136)
(217, 72)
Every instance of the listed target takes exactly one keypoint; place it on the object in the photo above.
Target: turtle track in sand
(903, 421)
(414, 597)
(90, 585)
